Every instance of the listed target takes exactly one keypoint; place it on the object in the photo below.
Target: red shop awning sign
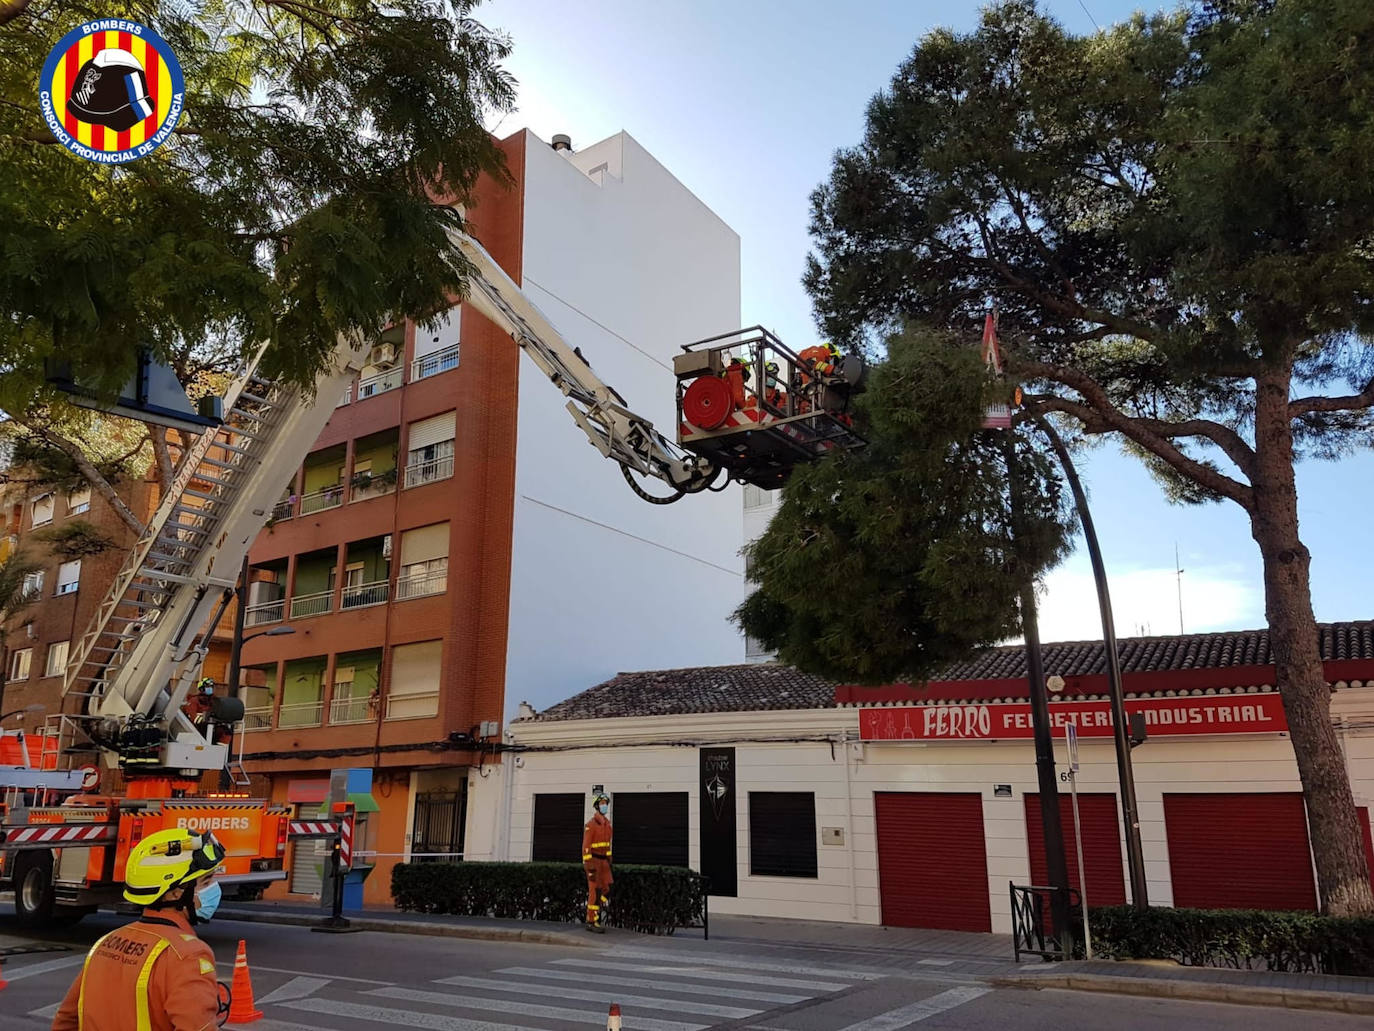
(1212, 714)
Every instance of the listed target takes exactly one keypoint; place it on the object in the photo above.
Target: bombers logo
(111, 91)
(214, 823)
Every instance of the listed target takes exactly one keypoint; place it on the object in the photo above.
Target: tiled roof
(761, 686)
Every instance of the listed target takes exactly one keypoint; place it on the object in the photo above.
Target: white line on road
(675, 1005)
(715, 975)
(918, 1011)
(743, 962)
(402, 1018)
(46, 1013)
(308, 973)
(525, 1009)
(296, 988)
(942, 962)
(746, 994)
(46, 967)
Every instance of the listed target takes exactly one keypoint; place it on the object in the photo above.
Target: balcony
(360, 596)
(319, 500)
(380, 383)
(285, 509)
(350, 709)
(412, 706)
(421, 585)
(259, 717)
(316, 604)
(302, 714)
(264, 613)
(347, 396)
(433, 364)
(373, 485)
(429, 472)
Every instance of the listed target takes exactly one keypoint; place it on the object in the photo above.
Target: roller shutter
(1101, 846)
(558, 822)
(650, 827)
(1239, 851)
(932, 861)
(431, 431)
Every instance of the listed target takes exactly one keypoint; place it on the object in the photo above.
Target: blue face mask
(602, 808)
(209, 900)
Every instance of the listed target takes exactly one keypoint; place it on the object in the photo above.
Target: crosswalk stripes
(596, 1017)
(736, 961)
(587, 995)
(678, 970)
(684, 988)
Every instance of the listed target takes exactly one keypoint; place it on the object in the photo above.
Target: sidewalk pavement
(901, 951)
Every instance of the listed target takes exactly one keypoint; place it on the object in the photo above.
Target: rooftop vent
(562, 141)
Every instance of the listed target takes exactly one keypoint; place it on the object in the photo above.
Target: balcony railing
(421, 585)
(347, 396)
(304, 714)
(361, 595)
(352, 709)
(379, 384)
(259, 717)
(433, 364)
(311, 604)
(373, 485)
(412, 706)
(319, 500)
(265, 612)
(429, 472)
(285, 509)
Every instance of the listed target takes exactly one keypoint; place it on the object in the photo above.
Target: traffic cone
(613, 1018)
(3, 983)
(241, 1008)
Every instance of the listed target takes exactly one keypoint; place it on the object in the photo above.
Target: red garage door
(1239, 851)
(932, 861)
(1101, 846)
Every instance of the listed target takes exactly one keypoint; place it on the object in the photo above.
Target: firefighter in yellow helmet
(596, 861)
(154, 974)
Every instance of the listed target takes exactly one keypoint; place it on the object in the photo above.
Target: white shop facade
(918, 807)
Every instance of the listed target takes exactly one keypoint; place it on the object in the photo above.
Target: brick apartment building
(452, 545)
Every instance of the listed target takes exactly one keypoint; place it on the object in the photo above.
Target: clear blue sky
(746, 102)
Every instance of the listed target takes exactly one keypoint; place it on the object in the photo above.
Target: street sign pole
(1071, 735)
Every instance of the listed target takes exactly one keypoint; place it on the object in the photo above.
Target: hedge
(1239, 938)
(648, 899)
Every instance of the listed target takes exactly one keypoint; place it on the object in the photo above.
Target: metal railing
(373, 485)
(433, 364)
(412, 706)
(259, 717)
(312, 604)
(391, 379)
(422, 585)
(319, 500)
(265, 612)
(352, 709)
(429, 472)
(303, 714)
(1032, 927)
(360, 595)
(285, 509)
(347, 396)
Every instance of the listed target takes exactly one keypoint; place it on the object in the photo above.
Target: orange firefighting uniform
(596, 860)
(151, 975)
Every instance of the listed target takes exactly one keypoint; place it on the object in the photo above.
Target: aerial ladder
(131, 672)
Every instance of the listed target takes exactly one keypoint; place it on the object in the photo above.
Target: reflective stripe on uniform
(143, 1016)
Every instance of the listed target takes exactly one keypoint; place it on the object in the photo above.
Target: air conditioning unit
(386, 546)
(382, 355)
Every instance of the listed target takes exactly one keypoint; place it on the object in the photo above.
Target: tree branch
(11, 9)
(1099, 415)
(92, 475)
(1347, 403)
(163, 455)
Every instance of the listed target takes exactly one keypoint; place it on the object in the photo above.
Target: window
(68, 577)
(782, 833)
(430, 454)
(43, 506)
(558, 821)
(20, 663)
(57, 659)
(33, 583)
(424, 562)
(79, 501)
(414, 690)
(651, 827)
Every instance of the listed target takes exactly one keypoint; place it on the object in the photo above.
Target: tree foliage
(294, 202)
(899, 558)
(76, 538)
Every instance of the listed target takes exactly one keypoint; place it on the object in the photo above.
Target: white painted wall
(1251, 763)
(629, 266)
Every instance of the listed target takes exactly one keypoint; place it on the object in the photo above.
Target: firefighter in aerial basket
(596, 860)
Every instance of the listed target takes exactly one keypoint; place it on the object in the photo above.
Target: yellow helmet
(166, 860)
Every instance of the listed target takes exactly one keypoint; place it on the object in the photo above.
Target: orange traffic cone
(3, 983)
(613, 1018)
(241, 1008)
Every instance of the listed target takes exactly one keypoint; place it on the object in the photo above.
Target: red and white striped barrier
(313, 828)
(346, 843)
(56, 835)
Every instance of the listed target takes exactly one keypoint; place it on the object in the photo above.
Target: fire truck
(749, 409)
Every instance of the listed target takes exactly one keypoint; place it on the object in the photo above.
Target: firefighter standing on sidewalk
(596, 860)
(154, 974)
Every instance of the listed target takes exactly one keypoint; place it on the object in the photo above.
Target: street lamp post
(236, 649)
(33, 707)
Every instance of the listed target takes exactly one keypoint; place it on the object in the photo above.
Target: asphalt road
(360, 982)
